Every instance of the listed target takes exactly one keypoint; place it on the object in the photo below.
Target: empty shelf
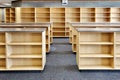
(26, 68)
(95, 67)
(2, 56)
(118, 43)
(26, 56)
(97, 43)
(2, 43)
(95, 55)
(24, 43)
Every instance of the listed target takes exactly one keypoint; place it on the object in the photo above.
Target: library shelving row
(60, 17)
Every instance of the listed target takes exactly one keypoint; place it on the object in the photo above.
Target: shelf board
(72, 12)
(25, 56)
(56, 12)
(26, 67)
(118, 42)
(27, 17)
(58, 31)
(103, 12)
(95, 67)
(55, 17)
(59, 36)
(117, 67)
(27, 12)
(96, 43)
(118, 55)
(2, 43)
(87, 13)
(95, 55)
(43, 17)
(42, 12)
(24, 43)
(2, 55)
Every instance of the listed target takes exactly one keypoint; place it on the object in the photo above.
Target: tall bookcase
(23, 52)
(27, 15)
(72, 14)
(42, 15)
(103, 15)
(7, 15)
(57, 16)
(115, 15)
(87, 15)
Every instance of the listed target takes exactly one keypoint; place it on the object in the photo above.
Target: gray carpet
(61, 65)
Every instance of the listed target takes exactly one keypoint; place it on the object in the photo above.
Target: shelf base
(26, 68)
(96, 43)
(26, 56)
(95, 55)
(95, 67)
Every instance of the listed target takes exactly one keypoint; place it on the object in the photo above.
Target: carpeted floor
(61, 65)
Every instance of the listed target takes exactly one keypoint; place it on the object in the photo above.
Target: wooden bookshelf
(12, 15)
(115, 15)
(42, 15)
(24, 52)
(99, 53)
(57, 16)
(7, 15)
(27, 15)
(96, 63)
(72, 14)
(33, 25)
(87, 15)
(103, 15)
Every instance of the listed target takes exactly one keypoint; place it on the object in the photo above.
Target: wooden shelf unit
(115, 15)
(62, 15)
(7, 15)
(57, 16)
(72, 14)
(42, 15)
(27, 15)
(103, 15)
(98, 50)
(30, 55)
(87, 15)
(12, 15)
(32, 25)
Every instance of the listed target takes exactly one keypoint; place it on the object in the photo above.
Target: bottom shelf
(25, 64)
(2, 64)
(74, 47)
(58, 34)
(96, 63)
(95, 67)
(26, 68)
